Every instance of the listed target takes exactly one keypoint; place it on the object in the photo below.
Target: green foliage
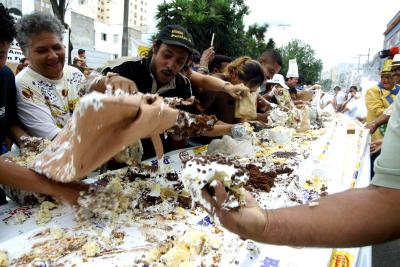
(309, 66)
(255, 40)
(224, 18)
(326, 85)
(202, 18)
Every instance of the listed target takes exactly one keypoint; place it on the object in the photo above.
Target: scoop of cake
(206, 170)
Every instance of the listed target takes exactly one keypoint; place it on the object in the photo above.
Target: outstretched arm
(352, 218)
(21, 178)
(211, 83)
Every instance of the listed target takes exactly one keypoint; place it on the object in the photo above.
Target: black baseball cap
(176, 35)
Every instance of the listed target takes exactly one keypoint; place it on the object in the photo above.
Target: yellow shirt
(376, 102)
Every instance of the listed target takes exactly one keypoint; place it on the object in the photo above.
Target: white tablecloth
(270, 255)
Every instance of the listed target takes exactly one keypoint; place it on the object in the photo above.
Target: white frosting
(91, 100)
(196, 176)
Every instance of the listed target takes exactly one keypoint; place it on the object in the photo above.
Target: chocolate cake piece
(203, 171)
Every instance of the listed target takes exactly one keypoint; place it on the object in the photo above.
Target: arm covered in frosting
(19, 177)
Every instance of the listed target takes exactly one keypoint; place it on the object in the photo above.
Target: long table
(354, 162)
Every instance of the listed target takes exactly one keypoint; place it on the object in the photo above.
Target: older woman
(47, 91)
(11, 174)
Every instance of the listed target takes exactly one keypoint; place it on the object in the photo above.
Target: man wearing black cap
(161, 73)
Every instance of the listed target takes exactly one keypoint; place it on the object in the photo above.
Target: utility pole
(359, 62)
(125, 33)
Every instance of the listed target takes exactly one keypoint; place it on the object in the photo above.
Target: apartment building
(96, 26)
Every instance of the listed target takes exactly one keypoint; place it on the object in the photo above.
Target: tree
(309, 66)
(326, 85)
(202, 18)
(59, 8)
(255, 40)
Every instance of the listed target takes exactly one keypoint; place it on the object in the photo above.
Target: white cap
(396, 60)
(278, 79)
(293, 71)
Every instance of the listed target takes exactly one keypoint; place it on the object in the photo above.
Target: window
(103, 36)
(116, 38)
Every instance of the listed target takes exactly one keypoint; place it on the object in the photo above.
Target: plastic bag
(230, 147)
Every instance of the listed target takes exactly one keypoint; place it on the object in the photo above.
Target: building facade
(392, 32)
(96, 26)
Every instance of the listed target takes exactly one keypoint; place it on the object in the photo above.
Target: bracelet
(204, 70)
(225, 84)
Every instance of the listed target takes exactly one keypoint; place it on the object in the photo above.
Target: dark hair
(292, 90)
(196, 56)
(75, 60)
(354, 87)
(81, 51)
(217, 61)
(248, 70)
(7, 29)
(337, 87)
(271, 55)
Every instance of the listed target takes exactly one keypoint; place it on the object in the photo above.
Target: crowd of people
(40, 100)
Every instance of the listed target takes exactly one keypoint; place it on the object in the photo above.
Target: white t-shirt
(340, 98)
(44, 106)
(325, 100)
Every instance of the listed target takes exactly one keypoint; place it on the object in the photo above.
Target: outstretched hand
(249, 221)
(69, 192)
(207, 56)
(237, 90)
(115, 82)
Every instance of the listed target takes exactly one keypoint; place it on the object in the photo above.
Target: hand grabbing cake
(201, 172)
